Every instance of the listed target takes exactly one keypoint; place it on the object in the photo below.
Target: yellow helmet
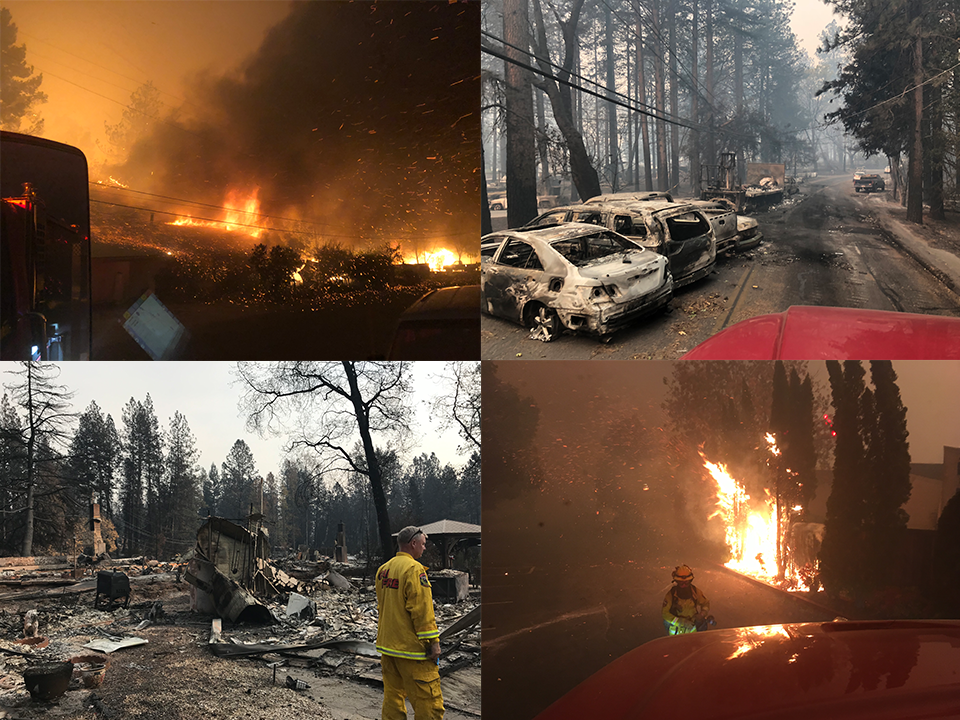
(683, 574)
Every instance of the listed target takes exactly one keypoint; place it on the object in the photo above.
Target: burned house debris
(113, 586)
(226, 638)
(764, 186)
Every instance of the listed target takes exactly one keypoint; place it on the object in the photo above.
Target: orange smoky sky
(94, 55)
(358, 117)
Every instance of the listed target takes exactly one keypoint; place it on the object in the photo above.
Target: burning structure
(764, 536)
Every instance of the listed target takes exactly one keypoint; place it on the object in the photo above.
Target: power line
(904, 93)
(610, 96)
(294, 232)
(102, 67)
(181, 201)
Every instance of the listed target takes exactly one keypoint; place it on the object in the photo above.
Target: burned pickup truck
(575, 277)
(868, 182)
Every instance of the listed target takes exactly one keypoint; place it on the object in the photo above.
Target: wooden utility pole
(915, 163)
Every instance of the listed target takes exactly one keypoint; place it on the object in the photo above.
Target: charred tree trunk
(26, 549)
(631, 176)
(915, 167)
(486, 223)
(738, 95)
(935, 152)
(711, 138)
(584, 175)
(612, 139)
(642, 96)
(663, 181)
(518, 102)
(674, 99)
(373, 461)
(542, 148)
(695, 104)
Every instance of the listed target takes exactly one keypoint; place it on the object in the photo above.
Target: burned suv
(575, 277)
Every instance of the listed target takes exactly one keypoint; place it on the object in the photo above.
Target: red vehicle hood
(830, 333)
(869, 670)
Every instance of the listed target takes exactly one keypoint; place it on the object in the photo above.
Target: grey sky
(203, 393)
(809, 19)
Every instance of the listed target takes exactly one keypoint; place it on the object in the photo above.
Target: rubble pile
(164, 655)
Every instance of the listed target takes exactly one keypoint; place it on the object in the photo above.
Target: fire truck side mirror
(45, 288)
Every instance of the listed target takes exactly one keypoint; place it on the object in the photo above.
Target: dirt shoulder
(935, 244)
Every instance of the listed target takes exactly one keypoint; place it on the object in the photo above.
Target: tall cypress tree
(843, 544)
(888, 481)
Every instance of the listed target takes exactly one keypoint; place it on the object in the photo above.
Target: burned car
(631, 197)
(732, 232)
(678, 231)
(575, 277)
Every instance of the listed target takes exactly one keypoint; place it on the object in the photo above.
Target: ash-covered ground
(174, 675)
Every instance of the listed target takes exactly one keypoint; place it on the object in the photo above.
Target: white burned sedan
(575, 276)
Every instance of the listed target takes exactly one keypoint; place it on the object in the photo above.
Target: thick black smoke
(364, 117)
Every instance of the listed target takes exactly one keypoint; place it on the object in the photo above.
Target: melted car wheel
(544, 323)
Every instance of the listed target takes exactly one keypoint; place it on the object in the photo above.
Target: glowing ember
(772, 442)
(241, 213)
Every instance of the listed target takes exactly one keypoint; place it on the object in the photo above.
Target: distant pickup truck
(869, 182)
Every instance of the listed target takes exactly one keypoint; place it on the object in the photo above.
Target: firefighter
(685, 608)
(407, 636)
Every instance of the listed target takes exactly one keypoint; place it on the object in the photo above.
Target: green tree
(213, 490)
(801, 454)
(12, 467)
(181, 490)
(946, 577)
(142, 459)
(94, 457)
(900, 51)
(469, 491)
(19, 87)
(237, 474)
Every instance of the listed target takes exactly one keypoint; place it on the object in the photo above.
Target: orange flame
(241, 213)
(436, 259)
(751, 532)
(751, 529)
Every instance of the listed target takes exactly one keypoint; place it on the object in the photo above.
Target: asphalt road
(546, 628)
(822, 247)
